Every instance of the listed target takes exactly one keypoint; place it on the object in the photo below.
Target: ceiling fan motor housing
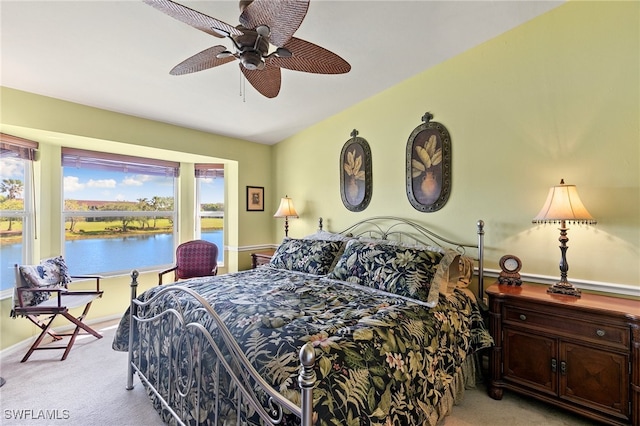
(252, 49)
(251, 60)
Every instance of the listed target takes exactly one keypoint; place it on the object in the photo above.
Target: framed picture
(356, 182)
(255, 198)
(428, 175)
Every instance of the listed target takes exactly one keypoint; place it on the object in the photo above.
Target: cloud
(72, 184)
(132, 181)
(101, 183)
(12, 168)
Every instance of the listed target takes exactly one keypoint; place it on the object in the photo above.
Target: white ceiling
(116, 55)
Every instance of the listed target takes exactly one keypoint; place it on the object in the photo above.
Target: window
(210, 199)
(16, 212)
(119, 212)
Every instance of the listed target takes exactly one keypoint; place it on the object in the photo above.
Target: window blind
(15, 147)
(79, 158)
(209, 170)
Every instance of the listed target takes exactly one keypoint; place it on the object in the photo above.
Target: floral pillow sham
(311, 256)
(404, 271)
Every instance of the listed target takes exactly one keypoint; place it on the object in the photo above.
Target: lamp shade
(563, 203)
(286, 208)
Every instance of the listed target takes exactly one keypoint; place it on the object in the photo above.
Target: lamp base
(565, 288)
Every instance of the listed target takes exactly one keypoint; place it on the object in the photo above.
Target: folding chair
(197, 258)
(42, 294)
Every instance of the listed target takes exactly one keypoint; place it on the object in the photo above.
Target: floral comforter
(380, 359)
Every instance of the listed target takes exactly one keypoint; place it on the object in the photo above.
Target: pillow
(405, 271)
(327, 236)
(311, 256)
(454, 271)
(51, 272)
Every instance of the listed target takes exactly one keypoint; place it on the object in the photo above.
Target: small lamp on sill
(564, 205)
(286, 210)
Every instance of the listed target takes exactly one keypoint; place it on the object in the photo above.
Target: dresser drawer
(606, 334)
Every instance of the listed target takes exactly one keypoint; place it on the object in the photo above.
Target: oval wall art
(356, 182)
(428, 165)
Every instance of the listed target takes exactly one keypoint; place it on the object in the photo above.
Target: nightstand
(261, 257)
(581, 354)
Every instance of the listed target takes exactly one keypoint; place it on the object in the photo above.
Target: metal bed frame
(254, 394)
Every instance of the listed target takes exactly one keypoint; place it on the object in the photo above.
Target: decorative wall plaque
(428, 165)
(356, 182)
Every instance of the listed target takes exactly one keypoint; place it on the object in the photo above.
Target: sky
(82, 184)
(97, 185)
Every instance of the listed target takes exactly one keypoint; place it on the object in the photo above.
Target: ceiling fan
(263, 23)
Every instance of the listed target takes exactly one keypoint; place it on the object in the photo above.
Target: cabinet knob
(600, 332)
(523, 317)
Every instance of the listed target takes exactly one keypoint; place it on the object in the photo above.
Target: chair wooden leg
(79, 325)
(45, 326)
(42, 325)
(45, 330)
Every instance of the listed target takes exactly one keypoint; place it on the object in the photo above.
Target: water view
(86, 256)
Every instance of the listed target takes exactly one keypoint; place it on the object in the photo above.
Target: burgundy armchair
(197, 258)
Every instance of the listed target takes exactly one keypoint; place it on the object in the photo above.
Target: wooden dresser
(582, 354)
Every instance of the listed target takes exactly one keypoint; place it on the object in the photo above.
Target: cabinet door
(595, 378)
(530, 360)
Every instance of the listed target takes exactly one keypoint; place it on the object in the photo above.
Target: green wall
(557, 97)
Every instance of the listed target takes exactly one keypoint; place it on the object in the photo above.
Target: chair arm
(40, 289)
(89, 277)
(166, 271)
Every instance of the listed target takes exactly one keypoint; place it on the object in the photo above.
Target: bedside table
(261, 257)
(581, 354)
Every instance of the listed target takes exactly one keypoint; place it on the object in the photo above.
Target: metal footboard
(177, 386)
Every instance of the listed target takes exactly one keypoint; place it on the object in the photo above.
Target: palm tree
(13, 188)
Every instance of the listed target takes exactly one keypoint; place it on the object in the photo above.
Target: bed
(371, 325)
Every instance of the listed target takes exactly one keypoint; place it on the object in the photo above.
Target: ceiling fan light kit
(263, 23)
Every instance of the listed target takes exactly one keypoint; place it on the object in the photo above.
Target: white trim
(609, 288)
(5, 294)
(256, 247)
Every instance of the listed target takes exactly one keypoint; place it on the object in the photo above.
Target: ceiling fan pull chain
(243, 87)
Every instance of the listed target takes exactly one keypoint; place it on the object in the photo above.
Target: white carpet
(88, 388)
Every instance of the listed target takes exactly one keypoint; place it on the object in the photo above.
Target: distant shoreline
(14, 237)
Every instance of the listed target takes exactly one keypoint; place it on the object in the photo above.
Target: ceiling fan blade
(201, 61)
(266, 81)
(308, 57)
(194, 18)
(283, 17)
